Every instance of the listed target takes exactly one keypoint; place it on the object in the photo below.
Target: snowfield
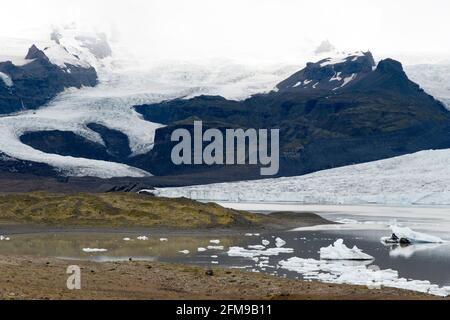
(421, 178)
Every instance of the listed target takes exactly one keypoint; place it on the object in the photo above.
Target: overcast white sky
(276, 30)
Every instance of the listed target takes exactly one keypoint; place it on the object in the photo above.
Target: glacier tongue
(421, 178)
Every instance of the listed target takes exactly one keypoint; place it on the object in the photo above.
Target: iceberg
(408, 236)
(339, 251)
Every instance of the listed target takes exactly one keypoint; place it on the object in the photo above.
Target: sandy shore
(45, 278)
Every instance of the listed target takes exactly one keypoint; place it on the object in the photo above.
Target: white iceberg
(201, 249)
(265, 242)
(410, 236)
(163, 239)
(280, 242)
(93, 250)
(184, 251)
(142, 238)
(214, 241)
(4, 238)
(339, 251)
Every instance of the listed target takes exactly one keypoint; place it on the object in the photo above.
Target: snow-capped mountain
(110, 129)
(422, 178)
(330, 73)
(44, 72)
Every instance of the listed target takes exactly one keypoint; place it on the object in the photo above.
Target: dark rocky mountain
(330, 74)
(36, 83)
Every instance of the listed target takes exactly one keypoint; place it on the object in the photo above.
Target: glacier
(422, 178)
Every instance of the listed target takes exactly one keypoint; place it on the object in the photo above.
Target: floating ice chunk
(357, 272)
(280, 242)
(265, 242)
(4, 238)
(93, 250)
(339, 251)
(242, 252)
(215, 247)
(256, 247)
(214, 256)
(297, 84)
(163, 239)
(214, 241)
(201, 249)
(412, 236)
(184, 251)
(252, 234)
(126, 239)
(142, 238)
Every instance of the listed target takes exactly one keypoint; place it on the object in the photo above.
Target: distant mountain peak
(35, 53)
(330, 73)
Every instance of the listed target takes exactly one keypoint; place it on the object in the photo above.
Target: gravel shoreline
(45, 278)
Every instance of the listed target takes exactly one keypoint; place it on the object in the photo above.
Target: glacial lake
(363, 228)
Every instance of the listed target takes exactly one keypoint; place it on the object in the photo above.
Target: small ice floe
(163, 239)
(215, 247)
(256, 247)
(358, 273)
(214, 241)
(242, 252)
(126, 239)
(214, 257)
(201, 249)
(214, 262)
(339, 251)
(142, 238)
(252, 234)
(184, 251)
(4, 238)
(407, 236)
(280, 242)
(94, 250)
(265, 242)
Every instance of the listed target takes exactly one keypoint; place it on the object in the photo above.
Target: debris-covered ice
(339, 251)
(409, 236)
